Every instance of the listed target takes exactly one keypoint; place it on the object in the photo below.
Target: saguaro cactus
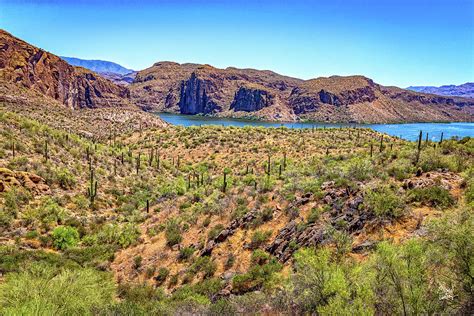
(92, 190)
(138, 163)
(269, 164)
(224, 183)
(419, 147)
(46, 154)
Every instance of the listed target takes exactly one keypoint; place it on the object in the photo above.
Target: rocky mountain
(232, 92)
(123, 80)
(99, 66)
(30, 67)
(464, 90)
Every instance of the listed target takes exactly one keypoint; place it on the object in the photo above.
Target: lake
(409, 131)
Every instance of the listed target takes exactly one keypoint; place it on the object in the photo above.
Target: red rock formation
(30, 67)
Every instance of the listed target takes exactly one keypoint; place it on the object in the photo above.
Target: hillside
(30, 67)
(225, 221)
(232, 92)
(464, 90)
(99, 66)
(42, 86)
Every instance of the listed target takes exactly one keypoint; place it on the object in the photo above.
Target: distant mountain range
(99, 66)
(464, 90)
(207, 90)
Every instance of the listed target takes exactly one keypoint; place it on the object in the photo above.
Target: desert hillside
(214, 220)
(30, 67)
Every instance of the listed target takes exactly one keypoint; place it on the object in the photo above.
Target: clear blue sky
(402, 43)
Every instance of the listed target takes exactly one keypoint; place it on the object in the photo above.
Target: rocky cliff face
(232, 92)
(251, 99)
(33, 68)
(193, 98)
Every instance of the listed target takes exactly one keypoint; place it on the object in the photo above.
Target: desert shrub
(137, 262)
(65, 178)
(431, 159)
(173, 233)
(260, 273)
(65, 237)
(322, 286)
(223, 307)
(204, 265)
(383, 201)
(229, 263)
(470, 192)
(313, 215)
(401, 169)
(311, 185)
(114, 234)
(43, 290)
(186, 253)
(360, 169)
(14, 199)
(259, 238)
(140, 294)
(18, 163)
(434, 196)
(50, 212)
(90, 256)
(214, 231)
(402, 280)
(452, 236)
(162, 275)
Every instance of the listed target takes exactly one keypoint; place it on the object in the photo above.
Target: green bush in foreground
(43, 290)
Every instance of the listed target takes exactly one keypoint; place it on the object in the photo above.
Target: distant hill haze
(100, 66)
(464, 90)
(231, 92)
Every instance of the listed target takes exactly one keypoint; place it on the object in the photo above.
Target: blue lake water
(409, 131)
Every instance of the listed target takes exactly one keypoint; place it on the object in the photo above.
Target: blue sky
(402, 43)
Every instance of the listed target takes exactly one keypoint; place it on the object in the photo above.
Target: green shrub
(137, 262)
(313, 216)
(65, 178)
(360, 169)
(384, 202)
(186, 253)
(121, 235)
(205, 265)
(173, 233)
(434, 196)
(214, 231)
(400, 169)
(43, 290)
(162, 275)
(65, 237)
(259, 238)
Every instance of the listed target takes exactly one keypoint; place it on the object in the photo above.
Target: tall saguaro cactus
(92, 190)
(419, 147)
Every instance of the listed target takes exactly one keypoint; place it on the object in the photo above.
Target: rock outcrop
(251, 99)
(10, 179)
(203, 89)
(193, 98)
(30, 67)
